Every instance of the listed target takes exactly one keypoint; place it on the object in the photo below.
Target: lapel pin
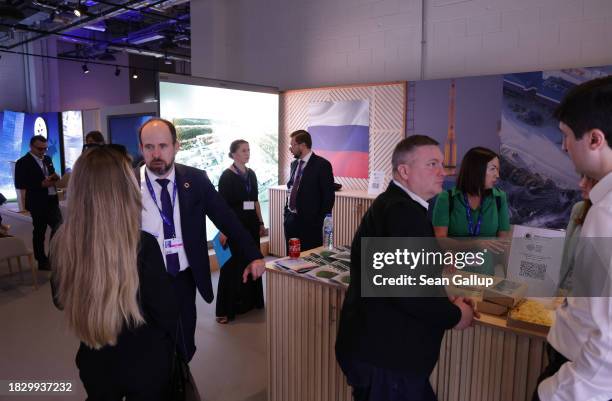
(186, 185)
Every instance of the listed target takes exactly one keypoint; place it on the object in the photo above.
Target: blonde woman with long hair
(109, 278)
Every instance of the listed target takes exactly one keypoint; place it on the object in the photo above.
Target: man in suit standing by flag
(35, 173)
(311, 193)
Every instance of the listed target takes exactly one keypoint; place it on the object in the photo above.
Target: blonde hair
(94, 253)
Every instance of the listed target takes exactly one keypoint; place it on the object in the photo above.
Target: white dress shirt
(582, 331)
(50, 190)
(414, 196)
(151, 218)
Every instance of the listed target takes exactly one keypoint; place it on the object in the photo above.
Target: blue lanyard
(245, 178)
(472, 231)
(167, 221)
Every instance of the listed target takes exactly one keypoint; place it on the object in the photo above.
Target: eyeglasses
(40, 148)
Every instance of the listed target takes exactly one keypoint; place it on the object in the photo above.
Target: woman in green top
(474, 208)
(572, 233)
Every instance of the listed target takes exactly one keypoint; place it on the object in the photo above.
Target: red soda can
(294, 248)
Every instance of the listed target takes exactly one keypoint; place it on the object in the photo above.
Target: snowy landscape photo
(538, 176)
(209, 119)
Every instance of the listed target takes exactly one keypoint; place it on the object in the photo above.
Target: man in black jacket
(35, 173)
(387, 347)
(311, 193)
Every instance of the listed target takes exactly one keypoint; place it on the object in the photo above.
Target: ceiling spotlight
(117, 71)
(80, 10)
(85, 69)
(135, 75)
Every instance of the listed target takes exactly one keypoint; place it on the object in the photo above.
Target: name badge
(248, 205)
(172, 245)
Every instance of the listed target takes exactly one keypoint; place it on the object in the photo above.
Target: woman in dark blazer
(238, 186)
(110, 279)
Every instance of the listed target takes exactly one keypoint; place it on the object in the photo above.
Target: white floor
(230, 364)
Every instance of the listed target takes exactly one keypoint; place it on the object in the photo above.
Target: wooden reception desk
(489, 361)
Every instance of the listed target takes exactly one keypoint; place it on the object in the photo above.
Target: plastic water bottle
(328, 232)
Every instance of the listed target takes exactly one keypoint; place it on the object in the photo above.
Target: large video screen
(123, 130)
(72, 132)
(209, 118)
(17, 129)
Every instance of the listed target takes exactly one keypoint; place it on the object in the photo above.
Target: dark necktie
(295, 186)
(172, 260)
(44, 167)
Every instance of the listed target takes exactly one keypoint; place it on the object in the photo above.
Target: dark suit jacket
(197, 199)
(155, 292)
(29, 176)
(315, 197)
(144, 353)
(402, 334)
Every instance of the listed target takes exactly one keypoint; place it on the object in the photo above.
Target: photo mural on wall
(538, 176)
(340, 133)
(459, 113)
(72, 135)
(16, 130)
(208, 119)
(512, 115)
(450, 144)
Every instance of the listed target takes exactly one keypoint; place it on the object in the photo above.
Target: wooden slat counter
(489, 361)
(349, 208)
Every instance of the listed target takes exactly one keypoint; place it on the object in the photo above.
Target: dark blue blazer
(315, 196)
(29, 176)
(197, 199)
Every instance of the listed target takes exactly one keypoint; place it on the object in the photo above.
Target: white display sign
(377, 180)
(535, 259)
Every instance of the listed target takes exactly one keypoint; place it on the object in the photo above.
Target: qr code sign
(532, 270)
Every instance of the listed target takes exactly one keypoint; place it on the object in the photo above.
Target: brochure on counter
(326, 265)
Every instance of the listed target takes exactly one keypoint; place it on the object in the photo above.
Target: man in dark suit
(35, 173)
(176, 200)
(311, 193)
(387, 347)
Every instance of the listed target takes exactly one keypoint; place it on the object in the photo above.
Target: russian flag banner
(340, 133)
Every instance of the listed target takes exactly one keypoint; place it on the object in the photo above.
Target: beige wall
(310, 43)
